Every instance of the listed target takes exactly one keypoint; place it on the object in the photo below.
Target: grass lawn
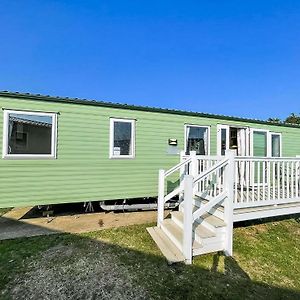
(124, 263)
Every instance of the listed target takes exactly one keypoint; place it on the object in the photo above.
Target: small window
(275, 144)
(197, 139)
(122, 135)
(29, 135)
(223, 140)
(260, 143)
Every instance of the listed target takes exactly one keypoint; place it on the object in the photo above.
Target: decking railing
(231, 182)
(183, 167)
(208, 177)
(263, 181)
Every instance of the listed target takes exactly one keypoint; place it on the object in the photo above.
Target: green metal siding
(83, 170)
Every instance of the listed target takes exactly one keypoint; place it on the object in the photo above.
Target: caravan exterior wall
(82, 165)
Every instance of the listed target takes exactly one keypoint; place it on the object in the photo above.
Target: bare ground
(13, 226)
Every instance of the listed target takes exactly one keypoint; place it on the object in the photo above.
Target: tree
(274, 120)
(293, 119)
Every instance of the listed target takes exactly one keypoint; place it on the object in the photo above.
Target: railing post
(188, 219)
(228, 204)
(181, 174)
(194, 168)
(161, 197)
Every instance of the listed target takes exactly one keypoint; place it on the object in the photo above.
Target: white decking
(217, 191)
(208, 236)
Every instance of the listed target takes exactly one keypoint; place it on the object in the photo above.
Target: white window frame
(280, 141)
(6, 155)
(269, 140)
(111, 137)
(252, 130)
(227, 128)
(198, 126)
(219, 136)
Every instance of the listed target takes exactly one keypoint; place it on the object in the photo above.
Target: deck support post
(188, 219)
(161, 197)
(228, 203)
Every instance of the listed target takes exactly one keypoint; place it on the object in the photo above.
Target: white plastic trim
(6, 155)
(198, 126)
(111, 138)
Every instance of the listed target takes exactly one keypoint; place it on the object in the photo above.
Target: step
(199, 229)
(209, 248)
(217, 210)
(213, 220)
(175, 234)
(168, 249)
(202, 234)
(198, 202)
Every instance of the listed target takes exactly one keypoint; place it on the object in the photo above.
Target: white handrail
(202, 210)
(207, 172)
(177, 167)
(207, 157)
(173, 193)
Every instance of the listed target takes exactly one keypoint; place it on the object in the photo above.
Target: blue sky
(237, 58)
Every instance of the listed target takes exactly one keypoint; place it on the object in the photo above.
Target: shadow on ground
(121, 263)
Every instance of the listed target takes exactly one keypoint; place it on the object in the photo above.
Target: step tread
(198, 198)
(199, 229)
(213, 220)
(177, 232)
(203, 232)
(166, 246)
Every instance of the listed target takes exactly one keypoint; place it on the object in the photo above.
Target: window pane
(122, 138)
(197, 140)
(29, 134)
(275, 145)
(223, 141)
(259, 143)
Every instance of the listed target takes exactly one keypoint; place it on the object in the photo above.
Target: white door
(225, 139)
(222, 139)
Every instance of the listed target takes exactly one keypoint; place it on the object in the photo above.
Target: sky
(233, 57)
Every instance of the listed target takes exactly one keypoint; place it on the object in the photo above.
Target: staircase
(204, 221)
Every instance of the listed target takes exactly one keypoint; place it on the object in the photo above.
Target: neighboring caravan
(62, 150)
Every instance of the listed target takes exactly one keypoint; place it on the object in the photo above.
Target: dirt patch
(11, 228)
(68, 272)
